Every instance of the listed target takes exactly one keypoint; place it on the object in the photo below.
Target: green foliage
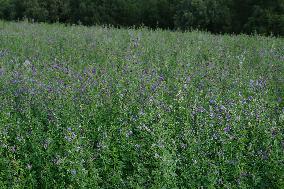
(213, 15)
(264, 17)
(5, 6)
(218, 16)
(99, 107)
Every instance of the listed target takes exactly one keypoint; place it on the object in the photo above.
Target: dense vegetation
(95, 107)
(226, 16)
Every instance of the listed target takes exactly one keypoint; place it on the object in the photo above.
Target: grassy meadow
(98, 107)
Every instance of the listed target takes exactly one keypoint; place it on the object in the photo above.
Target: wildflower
(34, 71)
(211, 101)
(5, 132)
(129, 133)
(72, 137)
(260, 83)
(228, 116)
(141, 113)
(15, 81)
(222, 108)
(78, 148)
(13, 149)
(119, 130)
(257, 116)
(94, 71)
(137, 146)
(215, 136)
(45, 144)
(73, 172)
(156, 156)
(27, 63)
(19, 138)
(57, 160)
(251, 83)
(29, 166)
(274, 132)
(201, 109)
(1, 71)
(2, 53)
(263, 154)
(183, 146)
(161, 78)
(68, 138)
(227, 129)
(134, 118)
(154, 87)
(160, 144)
(188, 79)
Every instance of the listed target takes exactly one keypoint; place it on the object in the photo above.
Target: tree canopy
(218, 16)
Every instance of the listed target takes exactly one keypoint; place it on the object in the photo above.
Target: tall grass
(95, 107)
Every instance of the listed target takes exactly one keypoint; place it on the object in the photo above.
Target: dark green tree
(5, 9)
(212, 15)
(235, 16)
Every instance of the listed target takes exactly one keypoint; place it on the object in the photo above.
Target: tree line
(218, 16)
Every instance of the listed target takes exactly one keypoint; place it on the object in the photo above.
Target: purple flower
(228, 116)
(15, 81)
(94, 71)
(154, 87)
(250, 98)
(188, 79)
(71, 136)
(34, 70)
(1, 71)
(211, 101)
(161, 78)
(201, 109)
(260, 83)
(227, 129)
